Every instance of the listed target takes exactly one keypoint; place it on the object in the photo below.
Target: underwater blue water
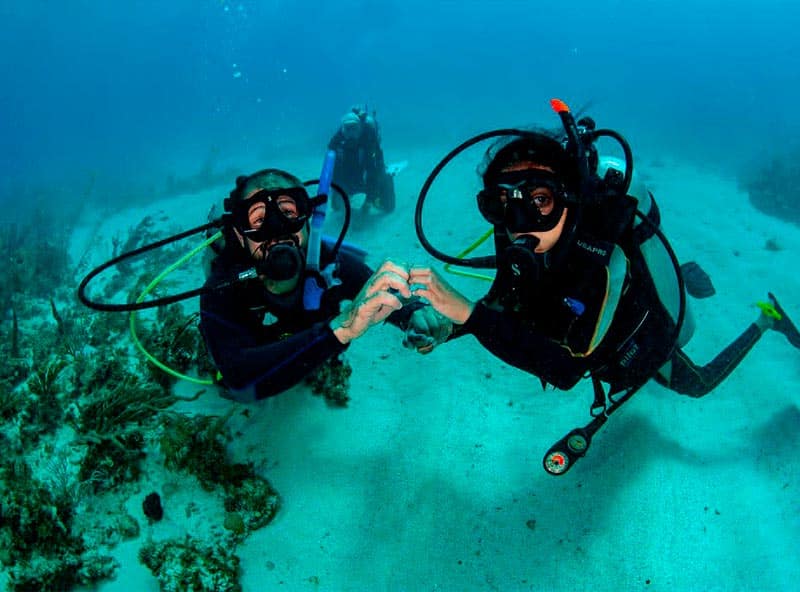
(123, 95)
(104, 102)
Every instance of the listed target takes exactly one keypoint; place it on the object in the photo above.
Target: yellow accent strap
(768, 310)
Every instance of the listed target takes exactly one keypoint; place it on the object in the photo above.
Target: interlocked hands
(394, 285)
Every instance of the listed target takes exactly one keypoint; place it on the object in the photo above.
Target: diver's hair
(541, 146)
(264, 179)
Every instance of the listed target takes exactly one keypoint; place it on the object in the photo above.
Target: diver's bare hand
(383, 294)
(443, 297)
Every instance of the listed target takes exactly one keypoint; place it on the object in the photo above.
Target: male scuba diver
(267, 333)
(360, 165)
(581, 287)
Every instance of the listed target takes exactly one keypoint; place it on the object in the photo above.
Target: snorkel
(315, 283)
(575, 148)
(580, 140)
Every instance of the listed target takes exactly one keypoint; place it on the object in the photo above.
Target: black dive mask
(282, 261)
(523, 201)
(285, 212)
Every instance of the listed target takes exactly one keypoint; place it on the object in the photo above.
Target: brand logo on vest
(595, 250)
(629, 355)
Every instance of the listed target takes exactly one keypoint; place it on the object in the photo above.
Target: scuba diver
(583, 284)
(279, 297)
(267, 333)
(360, 165)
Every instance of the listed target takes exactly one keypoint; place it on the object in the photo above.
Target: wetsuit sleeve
(256, 371)
(523, 347)
(256, 361)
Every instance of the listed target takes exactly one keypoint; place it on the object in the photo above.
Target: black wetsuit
(264, 344)
(360, 167)
(534, 327)
(539, 331)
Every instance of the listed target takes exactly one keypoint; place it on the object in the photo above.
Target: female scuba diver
(586, 282)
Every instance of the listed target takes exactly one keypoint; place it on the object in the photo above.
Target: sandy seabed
(431, 478)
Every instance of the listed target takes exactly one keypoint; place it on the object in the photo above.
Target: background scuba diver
(259, 333)
(574, 292)
(360, 166)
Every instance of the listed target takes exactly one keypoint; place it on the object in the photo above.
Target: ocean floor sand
(431, 477)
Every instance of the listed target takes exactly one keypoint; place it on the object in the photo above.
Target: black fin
(785, 324)
(698, 283)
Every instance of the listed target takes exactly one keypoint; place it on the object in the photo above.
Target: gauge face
(577, 443)
(556, 462)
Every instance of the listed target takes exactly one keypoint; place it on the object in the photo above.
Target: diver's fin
(698, 283)
(783, 324)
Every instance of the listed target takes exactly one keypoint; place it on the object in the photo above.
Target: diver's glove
(426, 329)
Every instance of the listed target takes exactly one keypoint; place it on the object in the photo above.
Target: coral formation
(195, 444)
(111, 461)
(37, 539)
(82, 421)
(55, 574)
(332, 381)
(190, 564)
(253, 499)
(772, 186)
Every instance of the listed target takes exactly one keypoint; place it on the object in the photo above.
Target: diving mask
(272, 214)
(523, 201)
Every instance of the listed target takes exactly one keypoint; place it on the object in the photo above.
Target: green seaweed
(196, 445)
(110, 462)
(37, 539)
(174, 339)
(56, 574)
(190, 564)
(32, 519)
(254, 499)
(47, 411)
(332, 381)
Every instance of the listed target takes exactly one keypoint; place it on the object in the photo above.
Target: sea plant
(61, 572)
(332, 380)
(253, 498)
(192, 564)
(31, 518)
(11, 402)
(110, 462)
(13, 367)
(47, 409)
(174, 340)
(196, 444)
(119, 408)
(110, 422)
